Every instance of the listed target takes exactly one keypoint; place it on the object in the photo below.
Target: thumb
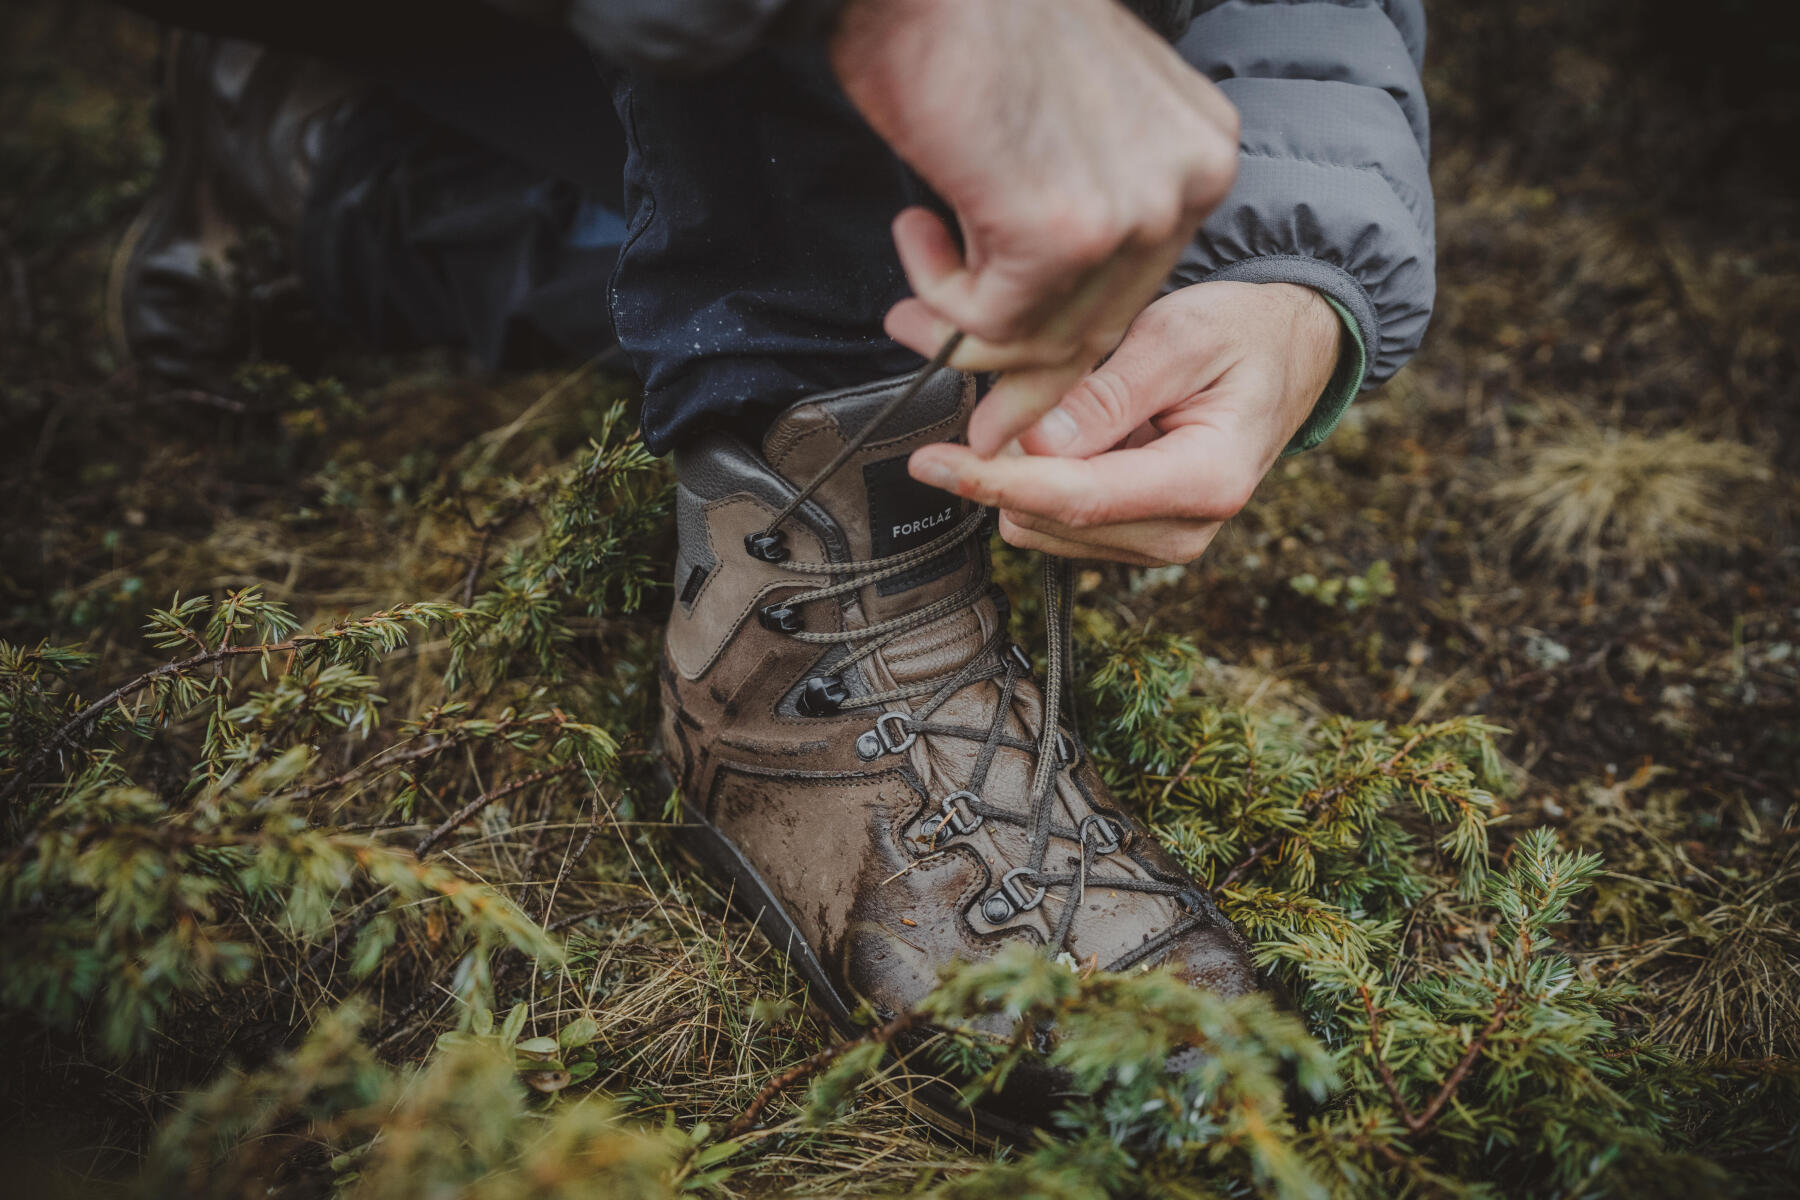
(1145, 376)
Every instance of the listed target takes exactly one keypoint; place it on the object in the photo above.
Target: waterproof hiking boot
(867, 761)
(211, 257)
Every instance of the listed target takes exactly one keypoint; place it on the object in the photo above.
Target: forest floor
(1573, 515)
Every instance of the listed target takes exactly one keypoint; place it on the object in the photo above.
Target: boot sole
(934, 1103)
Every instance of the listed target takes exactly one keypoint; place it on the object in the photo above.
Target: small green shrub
(251, 874)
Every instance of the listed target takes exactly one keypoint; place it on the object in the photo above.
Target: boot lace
(961, 812)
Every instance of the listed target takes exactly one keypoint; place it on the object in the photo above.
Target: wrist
(1350, 367)
(1317, 335)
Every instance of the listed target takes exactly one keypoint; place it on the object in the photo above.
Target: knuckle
(1161, 321)
(996, 327)
(1215, 171)
(1101, 401)
(1083, 233)
(986, 494)
(1230, 127)
(1097, 341)
(1082, 511)
(1015, 534)
(1160, 219)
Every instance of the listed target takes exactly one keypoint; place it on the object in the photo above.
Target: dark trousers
(729, 230)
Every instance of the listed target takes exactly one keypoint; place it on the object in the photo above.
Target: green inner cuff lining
(1346, 381)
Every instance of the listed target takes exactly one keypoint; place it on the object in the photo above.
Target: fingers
(1141, 543)
(1192, 472)
(1162, 362)
(1016, 403)
(1003, 300)
(1089, 326)
(917, 328)
(1030, 539)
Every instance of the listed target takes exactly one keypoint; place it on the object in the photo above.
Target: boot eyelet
(894, 740)
(780, 618)
(1110, 835)
(996, 909)
(1017, 653)
(769, 546)
(951, 817)
(1016, 894)
(823, 696)
(868, 746)
(1066, 749)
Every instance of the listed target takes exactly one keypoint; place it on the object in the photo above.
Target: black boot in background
(211, 261)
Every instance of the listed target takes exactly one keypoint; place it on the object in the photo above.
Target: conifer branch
(73, 727)
(375, 906)
(1313, 802)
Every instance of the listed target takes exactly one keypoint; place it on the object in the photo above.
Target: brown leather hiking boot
(192, 279)
(862, 751)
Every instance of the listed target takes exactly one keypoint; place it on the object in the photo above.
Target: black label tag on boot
(905, 514)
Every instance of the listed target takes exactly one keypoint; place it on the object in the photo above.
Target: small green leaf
(515, 1024)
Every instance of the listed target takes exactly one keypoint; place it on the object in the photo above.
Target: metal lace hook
(767, 543)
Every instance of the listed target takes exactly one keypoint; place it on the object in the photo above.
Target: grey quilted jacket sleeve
(1332, 190)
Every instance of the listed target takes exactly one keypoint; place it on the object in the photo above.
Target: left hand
(1145, 458)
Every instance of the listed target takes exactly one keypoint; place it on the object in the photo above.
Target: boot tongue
(880, 510)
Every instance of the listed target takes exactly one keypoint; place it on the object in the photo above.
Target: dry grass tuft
(1599, 496)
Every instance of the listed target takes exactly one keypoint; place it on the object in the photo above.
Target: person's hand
(1079, 154)
(1144, 459)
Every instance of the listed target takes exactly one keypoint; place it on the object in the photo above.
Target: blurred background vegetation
(355, 880)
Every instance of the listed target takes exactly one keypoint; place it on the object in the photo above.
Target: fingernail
(1056, 429)
(935, 473)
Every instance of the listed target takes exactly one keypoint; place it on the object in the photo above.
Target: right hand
(1079, 154)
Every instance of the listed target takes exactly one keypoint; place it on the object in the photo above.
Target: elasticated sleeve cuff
(1332, 190)
(1346, 381)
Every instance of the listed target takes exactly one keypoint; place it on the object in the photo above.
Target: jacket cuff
(1346, 381)
(1354, 308)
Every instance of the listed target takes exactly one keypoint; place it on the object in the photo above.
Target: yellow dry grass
(1595, 496)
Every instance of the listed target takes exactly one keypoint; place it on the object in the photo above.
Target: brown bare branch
(812, 1065)
(75, 725)
(1417, 1123)
(461, 816)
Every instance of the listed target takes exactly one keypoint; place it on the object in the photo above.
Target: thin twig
(812, 1065)
(1455, 1078)
(1417, 1123)
(426, 750)
(18, 281)
(562, 871)
(461, 816)
(476, 563)
(75, 724)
